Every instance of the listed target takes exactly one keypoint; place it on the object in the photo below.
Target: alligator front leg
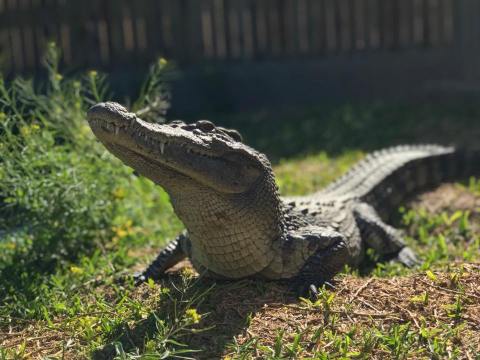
(174, 252)
(329, 257)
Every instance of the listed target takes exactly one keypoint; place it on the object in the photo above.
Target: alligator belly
(235, 258)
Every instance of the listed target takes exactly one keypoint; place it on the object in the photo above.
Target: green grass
(73, 220)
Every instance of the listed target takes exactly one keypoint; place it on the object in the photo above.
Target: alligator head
(218, 185)
(201, 152)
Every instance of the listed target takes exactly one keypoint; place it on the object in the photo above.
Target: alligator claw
(313, 292)
(139, 278)
(407, 257)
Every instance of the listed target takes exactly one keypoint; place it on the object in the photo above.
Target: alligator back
(386, 178)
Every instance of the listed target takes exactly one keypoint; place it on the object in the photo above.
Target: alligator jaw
(112, 123)
(185, 152)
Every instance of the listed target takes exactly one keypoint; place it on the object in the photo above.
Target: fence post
(467, 38)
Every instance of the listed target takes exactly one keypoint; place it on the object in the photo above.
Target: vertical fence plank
(275, 33)
(433, 14)
(464, 38)
(114, 17)
(331, 26)
(179, 25)
(261, 31)
(404, 23)
(302, 28)
(234, 29)
(247, 30)
(418, 22)
(290, 26)
(448, 21)
(15, 40)
(208, 42)
(374, 24)
(344, 25)
(219, 26)
(317, 26)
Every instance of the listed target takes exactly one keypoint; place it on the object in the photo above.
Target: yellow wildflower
(188, 272)
(162, 61)
(58, 77)
(11, 246)
(76, 270)
(93, 74)
(121, 233)
(193, 315)
(25, 131)
(119, 193)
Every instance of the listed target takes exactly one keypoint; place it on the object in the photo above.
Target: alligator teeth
(162, 147)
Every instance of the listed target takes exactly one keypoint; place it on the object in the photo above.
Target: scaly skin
(236, 223)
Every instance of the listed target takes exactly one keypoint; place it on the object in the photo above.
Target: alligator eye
(205, 125)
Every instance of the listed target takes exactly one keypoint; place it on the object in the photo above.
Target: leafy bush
(54, 206)
(52, 203)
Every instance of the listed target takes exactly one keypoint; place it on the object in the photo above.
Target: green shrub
(61, 193)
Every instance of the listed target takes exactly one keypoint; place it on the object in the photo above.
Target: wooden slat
(418, 22)
(330, 26)
(117, 27)
(275, 33)
(448, 21)
(359, 21)
(433, 14)
(219, 29)
(302, 27)
(344, 25)
(166, 13)
(404, 23)
(193, 31)
(179, 22)
(317, 26)
(247, 29)
(373, 24)
(290, 27)
(260, 25)
(389, 24)
(14, 39)
(208, 41)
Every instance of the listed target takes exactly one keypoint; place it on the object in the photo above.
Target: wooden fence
(115, 34)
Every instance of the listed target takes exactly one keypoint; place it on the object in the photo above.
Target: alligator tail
(388, 177)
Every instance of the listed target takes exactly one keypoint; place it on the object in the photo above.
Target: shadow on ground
(228, 308)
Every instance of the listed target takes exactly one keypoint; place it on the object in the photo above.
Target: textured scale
(236, 223)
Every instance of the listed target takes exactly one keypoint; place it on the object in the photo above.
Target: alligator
(238, 226)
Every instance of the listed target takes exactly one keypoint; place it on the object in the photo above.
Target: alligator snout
(109, 112)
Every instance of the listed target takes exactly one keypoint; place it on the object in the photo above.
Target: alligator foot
(407, 257)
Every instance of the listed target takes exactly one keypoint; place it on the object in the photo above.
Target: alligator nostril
(176, 123)
(109, 112)
(205, 125)
(188, 127)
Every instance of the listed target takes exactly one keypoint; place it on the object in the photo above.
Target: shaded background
(249, 56)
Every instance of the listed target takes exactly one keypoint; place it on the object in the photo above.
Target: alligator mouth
(154, 144)
(136, 135)
(184, 150)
